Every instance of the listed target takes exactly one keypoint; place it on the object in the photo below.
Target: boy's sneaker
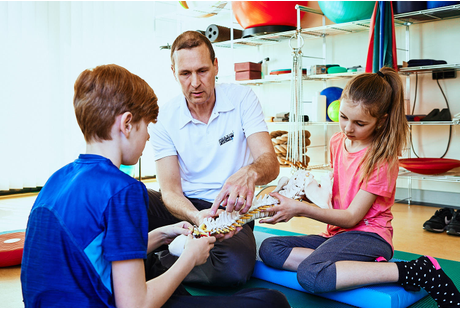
(454, 226)
(439, 221)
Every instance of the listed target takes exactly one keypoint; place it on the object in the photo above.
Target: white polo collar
(223, 104)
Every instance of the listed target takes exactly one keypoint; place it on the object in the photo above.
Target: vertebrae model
(300, 186)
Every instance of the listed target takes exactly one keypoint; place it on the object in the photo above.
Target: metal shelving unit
(287, 78)
(429, 69)
(403, 19)
(450, 176)
(322, 32)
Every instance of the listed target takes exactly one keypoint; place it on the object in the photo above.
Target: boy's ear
(126, 123)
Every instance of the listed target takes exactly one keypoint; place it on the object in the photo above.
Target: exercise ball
(332, 94)
(347, 11)
(129, 170)
(265, 13)
(333, 110)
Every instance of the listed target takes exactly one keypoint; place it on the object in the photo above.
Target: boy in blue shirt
(87, 234)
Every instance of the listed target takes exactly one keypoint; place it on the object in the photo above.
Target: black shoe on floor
(439, 221)
(454, 226)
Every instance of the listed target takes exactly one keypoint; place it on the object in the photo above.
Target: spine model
(301, 186)
(227, 221)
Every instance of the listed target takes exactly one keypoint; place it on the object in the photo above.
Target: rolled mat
(11, 247)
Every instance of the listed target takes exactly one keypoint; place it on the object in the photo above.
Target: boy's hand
(198, 249)
(172, 231)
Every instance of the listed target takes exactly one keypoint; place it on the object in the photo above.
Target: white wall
(44, 46)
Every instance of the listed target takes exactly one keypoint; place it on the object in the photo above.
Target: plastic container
(437, 4)
(408, 6)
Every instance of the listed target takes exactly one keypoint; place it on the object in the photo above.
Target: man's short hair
(189, 40)
(103, 93)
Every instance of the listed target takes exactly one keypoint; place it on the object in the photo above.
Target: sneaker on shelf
(439, 221)
(454, 226)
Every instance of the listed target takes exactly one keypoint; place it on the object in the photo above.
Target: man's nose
(195, 80)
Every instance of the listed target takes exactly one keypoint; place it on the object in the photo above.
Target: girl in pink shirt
(364, 156)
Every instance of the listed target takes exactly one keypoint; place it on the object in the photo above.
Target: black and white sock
(426, 272)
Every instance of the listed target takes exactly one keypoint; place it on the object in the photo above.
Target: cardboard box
(318, 69)
(248, 66)
(247, 75)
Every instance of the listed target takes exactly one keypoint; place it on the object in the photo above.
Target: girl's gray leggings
(317, 273)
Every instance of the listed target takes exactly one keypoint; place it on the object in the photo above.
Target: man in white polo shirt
(212, 148)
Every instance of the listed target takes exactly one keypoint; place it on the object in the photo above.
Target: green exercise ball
(347, 11)
(333, 110)
(129, 170)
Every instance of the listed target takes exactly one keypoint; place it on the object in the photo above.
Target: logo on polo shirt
(226, 138)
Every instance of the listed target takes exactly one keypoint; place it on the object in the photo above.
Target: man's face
(196, 73)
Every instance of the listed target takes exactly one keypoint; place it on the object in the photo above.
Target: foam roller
(216, 33)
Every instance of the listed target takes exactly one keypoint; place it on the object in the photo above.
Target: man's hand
(237, 192)
(231, 233)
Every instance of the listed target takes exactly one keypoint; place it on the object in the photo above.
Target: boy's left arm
(131, 290)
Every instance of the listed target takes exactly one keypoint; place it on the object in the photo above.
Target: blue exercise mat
(372, 296)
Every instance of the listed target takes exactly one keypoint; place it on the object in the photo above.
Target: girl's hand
(286, 210)
(172, 231)
(198, 249)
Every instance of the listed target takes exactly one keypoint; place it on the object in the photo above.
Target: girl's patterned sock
(427, 273)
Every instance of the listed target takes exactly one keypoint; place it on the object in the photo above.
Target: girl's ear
(126, 123)
(382, 121)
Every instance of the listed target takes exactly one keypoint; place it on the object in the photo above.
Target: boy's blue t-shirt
(88, 214)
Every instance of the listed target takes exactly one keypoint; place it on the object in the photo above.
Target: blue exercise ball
(347, 11)
(332, 94)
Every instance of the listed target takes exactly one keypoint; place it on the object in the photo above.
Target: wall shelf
(454, 122)
(449, 176)
(428, 69)
(430, 15)
(403, 19)
(287, 78)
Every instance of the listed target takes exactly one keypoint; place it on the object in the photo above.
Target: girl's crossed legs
(315, 257)
(347, 261)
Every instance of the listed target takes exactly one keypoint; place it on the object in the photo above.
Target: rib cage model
(301, 186)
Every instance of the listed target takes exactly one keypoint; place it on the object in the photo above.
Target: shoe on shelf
(439, 221)
(454, 226)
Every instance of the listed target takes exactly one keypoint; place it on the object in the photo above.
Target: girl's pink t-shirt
(346, 185)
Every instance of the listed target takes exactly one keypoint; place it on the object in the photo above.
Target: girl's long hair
(381, 95)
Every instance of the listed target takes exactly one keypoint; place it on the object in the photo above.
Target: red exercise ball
(264, 13)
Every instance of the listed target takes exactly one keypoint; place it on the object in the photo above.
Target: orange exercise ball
(266, 13)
